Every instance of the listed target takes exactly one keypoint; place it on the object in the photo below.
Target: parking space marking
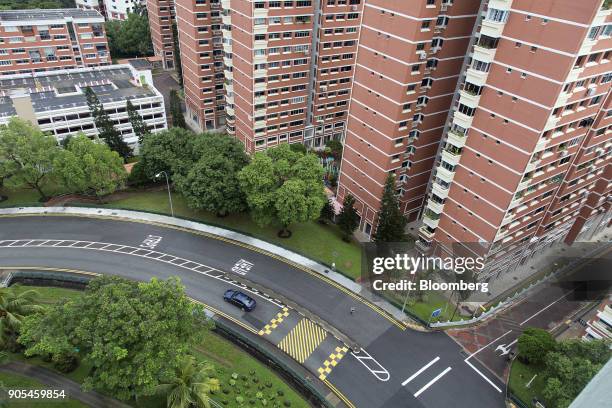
(273, 324)
(425, 367)
(432, 382)
(302, 340)
(332, 361)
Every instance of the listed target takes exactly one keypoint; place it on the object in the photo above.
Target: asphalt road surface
(396, 367)
(547, 307)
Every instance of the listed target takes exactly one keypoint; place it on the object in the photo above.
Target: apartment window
(593, 32)
(425, 25)
(481, 66)
(499, 16)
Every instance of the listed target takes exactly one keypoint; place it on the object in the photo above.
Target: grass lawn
(319, 242)
(520, 375)
(12, 381)
(225, 356)
(311, 239)
(48, 295)
(25, 196)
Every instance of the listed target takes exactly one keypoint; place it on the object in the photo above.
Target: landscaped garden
(233, 377)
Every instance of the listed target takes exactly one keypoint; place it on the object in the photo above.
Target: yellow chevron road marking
(331, 362)
(280, 316)
(302, 340)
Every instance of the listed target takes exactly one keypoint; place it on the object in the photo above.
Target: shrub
(65, 362)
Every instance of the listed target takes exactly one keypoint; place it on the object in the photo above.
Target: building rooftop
(57, 90)
(46, 14)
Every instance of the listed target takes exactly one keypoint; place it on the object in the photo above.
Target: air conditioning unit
(444, 7)
(590, 91)
(306, 52)
(354, 8)
(422, 55)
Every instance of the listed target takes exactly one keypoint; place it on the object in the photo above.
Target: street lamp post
(169, 194)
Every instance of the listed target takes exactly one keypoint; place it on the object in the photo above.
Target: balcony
(451, 156)
(426, 233)
(484, 53)
(259, 99)
(492, 28)
(463, 120)
(469, 98)
(260, 13)
(431, 219)
(455, 138)
(476, 77)
(439, 190)
(434, 206)
(445, 175)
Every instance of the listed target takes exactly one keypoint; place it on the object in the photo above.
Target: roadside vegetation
(554, 372)
(169, 358)
(277, 195)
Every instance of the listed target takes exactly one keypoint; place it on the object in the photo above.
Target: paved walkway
(59, 382)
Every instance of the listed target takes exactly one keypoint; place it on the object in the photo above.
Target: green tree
(212, 183)
(391, 221)
(348, 219)
(178, 65)
(106, 129)
(134, 334)
(176, 113)
(27, 155)
(14, 307)
(139, 126)
(284, 186)
(130, 37)
(190, 385)
(534, 344)
(335, 147)
(87, 167)
(170, 150)
(327, 213)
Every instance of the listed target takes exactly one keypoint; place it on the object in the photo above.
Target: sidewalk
(59, 382)
(232, 235)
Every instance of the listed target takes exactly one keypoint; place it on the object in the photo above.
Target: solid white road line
(529, 318)
(425, 367)
(483, 376)
(484, 347)
(429, 384)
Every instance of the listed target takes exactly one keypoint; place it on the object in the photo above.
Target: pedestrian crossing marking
(331, 362)
(280, 316)
(302, 340)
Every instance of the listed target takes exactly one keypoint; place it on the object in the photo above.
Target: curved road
(397, 367)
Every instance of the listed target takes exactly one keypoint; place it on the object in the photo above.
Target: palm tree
(14, 307)
(190, 386)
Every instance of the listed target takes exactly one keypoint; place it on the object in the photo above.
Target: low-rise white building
(56, 103)
(112, 9)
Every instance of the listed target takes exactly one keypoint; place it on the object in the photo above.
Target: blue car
(240, 299)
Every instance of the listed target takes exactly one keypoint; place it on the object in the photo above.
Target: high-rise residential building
(40, 40)
(56, 103)
(525, 158)
(409, 59)
(161, 22)
(270, 72)
(200, 39)
(112, 9)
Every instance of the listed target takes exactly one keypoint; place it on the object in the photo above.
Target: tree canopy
(170, 150)
(283, 185)
(87, 167)
(134, 334)
(176, 113)
(105, 127)
(212, 181)
(534, 343)
(130, 37)
(35, 4)
(391, 221)
(26, 155)
(348, 219)
(139, 126)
